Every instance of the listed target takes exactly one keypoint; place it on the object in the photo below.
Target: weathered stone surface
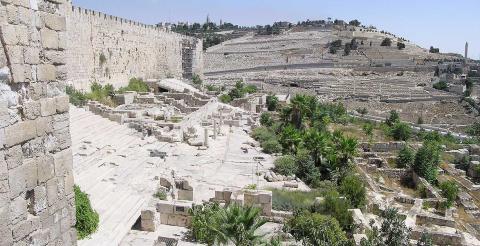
(14, 156)
(44, 125)
(62, 160)
(19, 72)
(9, 34)
(18, 209)
(25, 227)
(20, 132)
(45, 169)
(47, 106)
(40, 200)
(32, 55)
(46, 72)
(31, 109)
(62, 103)
(55, 22)
(49, 38)
(52, 191)
(54, 57)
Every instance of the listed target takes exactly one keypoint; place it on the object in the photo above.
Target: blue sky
(442, 23)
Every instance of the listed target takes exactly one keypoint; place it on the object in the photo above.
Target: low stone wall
(395, 173)
(429, 219)
(382, 147)
(431, 191)
(174, 213)
(439, 238)
(105, 112)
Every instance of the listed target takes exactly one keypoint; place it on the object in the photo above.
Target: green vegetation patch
(87, 217)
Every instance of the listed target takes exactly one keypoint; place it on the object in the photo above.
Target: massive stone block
(35, 204)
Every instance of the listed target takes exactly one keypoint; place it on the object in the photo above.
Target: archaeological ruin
(327, 123)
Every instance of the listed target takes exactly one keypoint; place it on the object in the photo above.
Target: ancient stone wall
(109, 49)
(36, 178)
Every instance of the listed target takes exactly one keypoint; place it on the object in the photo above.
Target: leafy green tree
(307, 171)
(363, 111)
(386, 42)
(347, 49)
(427, 160)
(336, 207)
(474, 129)
(425, 239)
(271, 146)
(406, 157)
(393, 231)
(286, 165)
(225, 98)
(354, 190)
(266, 119)
(272, 102)
(441, 85)
(87, 218)
(204, 223)
(315, 229)
(354, 22)
(393, 118)
(368, 130)
(420, 120)
(434, 50)
(449, 191)
(401, 131)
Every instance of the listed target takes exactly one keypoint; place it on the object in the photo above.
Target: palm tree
(290, 138)
(347, 148)
(238, 225)
(316, 142)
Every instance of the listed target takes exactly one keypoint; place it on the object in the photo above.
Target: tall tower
(466, 50)
(208, 19)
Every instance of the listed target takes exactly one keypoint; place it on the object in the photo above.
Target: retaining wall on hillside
(110, 49)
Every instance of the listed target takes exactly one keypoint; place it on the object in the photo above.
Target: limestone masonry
(109, 49)
(36, 178)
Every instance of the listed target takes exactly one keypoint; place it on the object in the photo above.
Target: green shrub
(225, 98)
(368, 129)
(272, 102)
(286, 165)
(316, 229)
(393, 118)
(354, 190)
(203, 226)
(401, 131)
(271, 146)
(196, 80)
(266, 119)
(405, 157)
(87, 217)
(386, 42)
(135, 84)
(287, 200)
(449, 191)
(420, 120)
(442, 85)
(161, 194)
(336, 207)
(77, 97)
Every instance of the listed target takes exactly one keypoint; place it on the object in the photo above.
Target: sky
(440, 23)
